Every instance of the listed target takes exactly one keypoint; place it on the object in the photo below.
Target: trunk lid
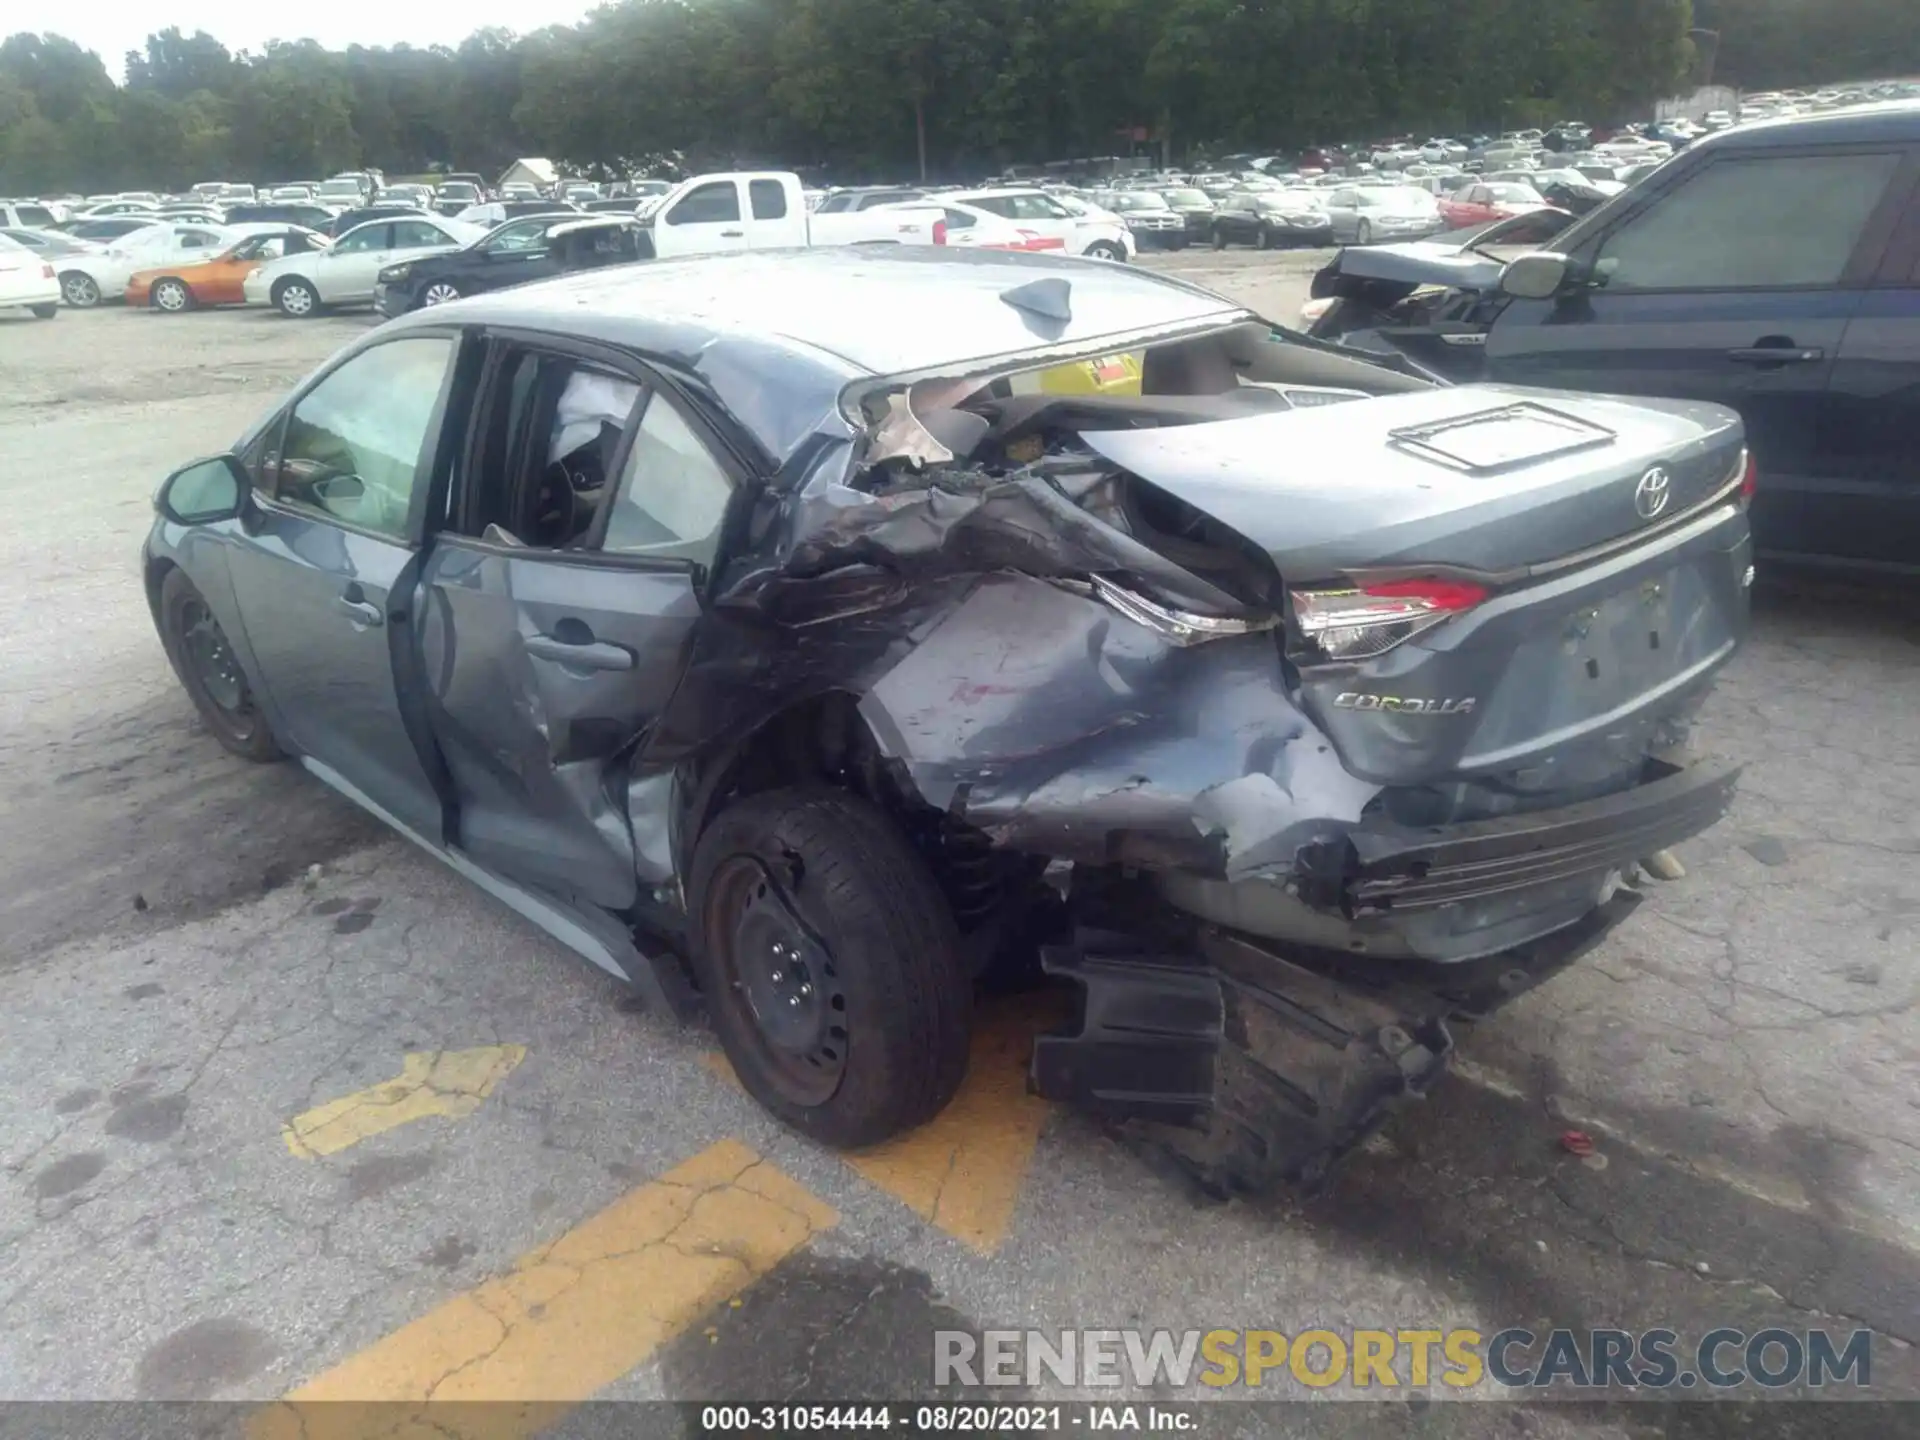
(1481, 477)
(1553, 682)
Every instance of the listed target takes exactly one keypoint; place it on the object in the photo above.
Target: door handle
(1776, 354)
(580, 654)
(732, 234)
(362, 613)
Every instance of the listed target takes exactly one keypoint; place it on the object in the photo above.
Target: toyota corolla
(764, 628)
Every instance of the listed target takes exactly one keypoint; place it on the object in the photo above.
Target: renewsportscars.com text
(1657, 1359)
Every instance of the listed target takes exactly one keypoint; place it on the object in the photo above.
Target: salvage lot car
(221, 280)
(518, 252)
(1773, 268)
(27, 281)
(781, 656)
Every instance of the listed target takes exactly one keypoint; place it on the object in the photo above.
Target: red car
(1484, 204)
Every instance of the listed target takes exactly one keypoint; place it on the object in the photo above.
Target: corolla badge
(1650, 496)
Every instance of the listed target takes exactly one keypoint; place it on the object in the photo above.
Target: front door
(550, 647)
(705, 220)
(324, 569)
(1735, 284)
(519, 251)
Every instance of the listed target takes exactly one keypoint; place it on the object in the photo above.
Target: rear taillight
(1749, 477)
(1369, 620)
(939, 232)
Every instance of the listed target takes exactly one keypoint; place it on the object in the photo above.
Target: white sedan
(87, 279)
(345, 272)
(27, 281)
(1039, 212)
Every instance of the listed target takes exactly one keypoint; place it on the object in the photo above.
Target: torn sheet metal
(1059, 728)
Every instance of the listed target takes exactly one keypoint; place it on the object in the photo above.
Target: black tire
(236, 720)
(79, 289)
(1219, 237)
(287, 296)
(1107, 250)
(45, 312)
(171, 295)
(1363, 233)
(1264, 238)
(876, 928)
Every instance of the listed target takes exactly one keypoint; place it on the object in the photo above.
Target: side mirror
(204, 492)
(1539, 276)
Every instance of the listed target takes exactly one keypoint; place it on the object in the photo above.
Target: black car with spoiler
(794, 636)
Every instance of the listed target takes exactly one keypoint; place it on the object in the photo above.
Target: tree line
(892, 89)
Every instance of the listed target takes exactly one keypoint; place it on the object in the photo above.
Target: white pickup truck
(765, 210)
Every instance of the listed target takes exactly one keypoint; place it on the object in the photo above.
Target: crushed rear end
(1330, 715)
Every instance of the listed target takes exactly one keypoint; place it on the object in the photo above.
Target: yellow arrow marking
(962, 1171)
(511, 1356)
(441, 1082)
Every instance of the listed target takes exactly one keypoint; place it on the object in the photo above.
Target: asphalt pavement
(290, 1110)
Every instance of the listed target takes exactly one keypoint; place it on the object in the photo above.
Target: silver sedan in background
(1362, 214)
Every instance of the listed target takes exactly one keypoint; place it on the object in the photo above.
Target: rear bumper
(1392, 868)
(1253, 1067)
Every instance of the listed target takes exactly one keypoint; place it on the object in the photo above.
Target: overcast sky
(113, 27)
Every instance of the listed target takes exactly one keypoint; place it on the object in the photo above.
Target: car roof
(1892, 120)
(779, 333)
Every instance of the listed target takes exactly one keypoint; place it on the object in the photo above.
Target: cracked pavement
(193, 952)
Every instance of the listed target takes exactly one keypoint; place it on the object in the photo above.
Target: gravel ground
(178, 981)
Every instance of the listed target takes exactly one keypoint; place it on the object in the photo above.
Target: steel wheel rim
(170, 295)
(213, 664)
(296, 299)
(786, 980)
(439, 294)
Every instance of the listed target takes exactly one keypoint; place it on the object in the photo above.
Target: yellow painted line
(570, 1317)
(962, 1171)
(451, 1083)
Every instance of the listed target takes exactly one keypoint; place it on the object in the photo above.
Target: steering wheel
(553, 507)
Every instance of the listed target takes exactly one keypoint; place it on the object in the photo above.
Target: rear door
(707, 219)
(547, 653)
(1869, 509)
(1733, 282)
(324, 567)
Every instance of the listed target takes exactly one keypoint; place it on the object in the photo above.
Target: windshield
(1187, 197)
(340, 190)
(1515, 194)
(1137, 202)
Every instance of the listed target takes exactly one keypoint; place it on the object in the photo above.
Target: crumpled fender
(1059, 727)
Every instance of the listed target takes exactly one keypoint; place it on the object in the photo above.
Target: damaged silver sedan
(810, 638)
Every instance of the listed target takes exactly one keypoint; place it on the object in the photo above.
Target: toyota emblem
(1650, 496)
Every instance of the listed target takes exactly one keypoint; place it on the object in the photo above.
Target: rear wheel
(1219, 237)
(296, 298)
(440, 292)
(45, 312)
(831, 964)
(171, 295)
(1264, 238)
(1105, 250)
(78, 289)
(210, 672)
(1363, 233)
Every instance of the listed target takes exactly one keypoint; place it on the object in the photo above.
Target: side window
(997, 205)
(768, 198)
(367, 237)
(834, 204)
(412, 234)
(353, 444)
(672, 493)
(197, 239)
(1789, 220)
(959, 220)
(716, 202)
